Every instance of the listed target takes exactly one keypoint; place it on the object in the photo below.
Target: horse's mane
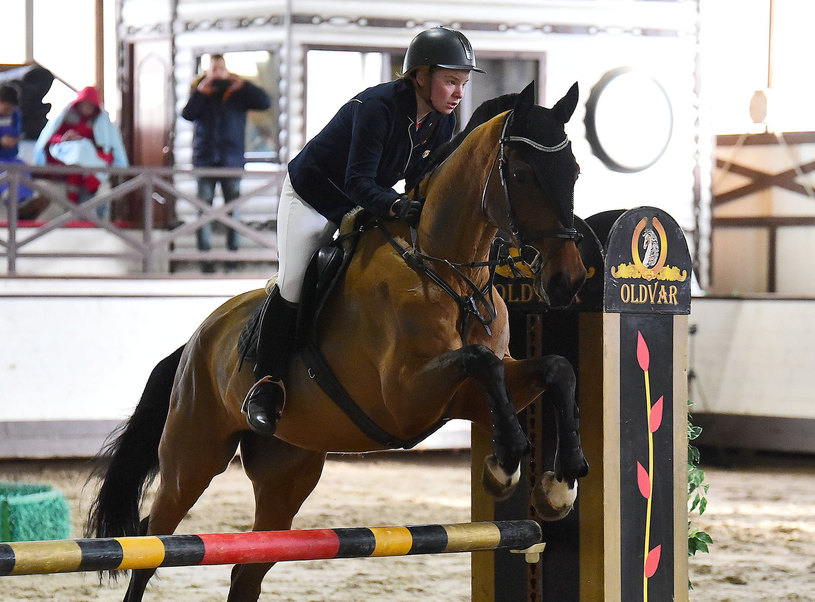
(485, 111)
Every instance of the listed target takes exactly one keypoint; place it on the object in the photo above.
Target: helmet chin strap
(428, 101)
(424, 93)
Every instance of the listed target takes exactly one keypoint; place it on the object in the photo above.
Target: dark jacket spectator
(220, 120)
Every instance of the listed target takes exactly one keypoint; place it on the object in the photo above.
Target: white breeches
(301, 230)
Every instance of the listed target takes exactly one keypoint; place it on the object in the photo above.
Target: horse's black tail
(128, 462)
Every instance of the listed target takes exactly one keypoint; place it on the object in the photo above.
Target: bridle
(479, 304)
(530, 255)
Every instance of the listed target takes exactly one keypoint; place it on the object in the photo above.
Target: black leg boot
(264, 402)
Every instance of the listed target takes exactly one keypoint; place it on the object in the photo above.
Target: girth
(323, 375)
(323, 274)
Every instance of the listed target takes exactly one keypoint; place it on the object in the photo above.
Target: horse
(413, 330)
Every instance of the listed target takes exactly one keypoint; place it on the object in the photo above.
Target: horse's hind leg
(192, 452)
(283, 476)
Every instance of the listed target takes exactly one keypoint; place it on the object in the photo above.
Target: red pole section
(269, 546)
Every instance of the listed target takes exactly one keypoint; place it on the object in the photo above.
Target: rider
(382, 135)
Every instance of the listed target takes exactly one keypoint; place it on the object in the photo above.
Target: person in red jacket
(82, 134)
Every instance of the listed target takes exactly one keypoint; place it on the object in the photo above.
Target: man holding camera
(217, 107)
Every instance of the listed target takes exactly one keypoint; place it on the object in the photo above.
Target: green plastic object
(33, 512)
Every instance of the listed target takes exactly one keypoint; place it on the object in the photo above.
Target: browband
(536, 145)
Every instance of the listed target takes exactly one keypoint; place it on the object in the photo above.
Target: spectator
(82, 134)
(11, 129)
(217, 106)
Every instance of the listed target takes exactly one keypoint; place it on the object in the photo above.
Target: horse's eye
(519, 177)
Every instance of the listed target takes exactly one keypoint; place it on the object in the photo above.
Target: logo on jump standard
(649, 253)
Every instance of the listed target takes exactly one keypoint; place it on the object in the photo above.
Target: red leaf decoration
(652, 562)
(643, 481)
(656, 415)
(643, 357)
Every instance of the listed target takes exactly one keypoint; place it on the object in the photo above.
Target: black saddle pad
(248, 338)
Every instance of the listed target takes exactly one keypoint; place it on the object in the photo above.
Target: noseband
(529, 254)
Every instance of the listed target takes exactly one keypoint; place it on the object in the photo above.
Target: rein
(479, 304)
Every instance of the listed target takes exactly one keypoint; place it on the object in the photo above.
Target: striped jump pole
(123, 553)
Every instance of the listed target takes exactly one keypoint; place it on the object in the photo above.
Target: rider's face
(446, 88)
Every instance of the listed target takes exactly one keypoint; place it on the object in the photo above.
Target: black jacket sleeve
(254, 98)
(372, 123)
(192, 110)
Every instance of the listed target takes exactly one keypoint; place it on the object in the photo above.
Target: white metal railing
(154, 246)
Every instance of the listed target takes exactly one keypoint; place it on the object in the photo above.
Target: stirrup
(266, 379)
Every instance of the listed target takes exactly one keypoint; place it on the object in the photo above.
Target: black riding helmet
(440, 47)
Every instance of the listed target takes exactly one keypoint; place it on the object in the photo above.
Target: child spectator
(11, 128)
(82, 134)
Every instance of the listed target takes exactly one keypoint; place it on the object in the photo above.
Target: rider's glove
(407, 209)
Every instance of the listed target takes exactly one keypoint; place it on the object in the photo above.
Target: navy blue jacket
(369, 145)
(220, 125)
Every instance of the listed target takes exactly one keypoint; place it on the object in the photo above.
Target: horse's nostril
(562, 288)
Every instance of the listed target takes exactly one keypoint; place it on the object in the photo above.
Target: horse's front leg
(554, 376)
(502, 470)
(468, 383)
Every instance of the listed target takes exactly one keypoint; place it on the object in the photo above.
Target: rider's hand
(407, 209)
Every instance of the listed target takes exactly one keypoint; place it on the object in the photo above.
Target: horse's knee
(480, 362)
(558, 375)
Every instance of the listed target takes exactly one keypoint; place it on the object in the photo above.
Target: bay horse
(397, 332)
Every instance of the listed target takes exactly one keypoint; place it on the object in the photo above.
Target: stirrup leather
(266, 379)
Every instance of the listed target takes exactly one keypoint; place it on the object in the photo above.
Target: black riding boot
(265, 400)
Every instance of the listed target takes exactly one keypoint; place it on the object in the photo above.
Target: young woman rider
(381, 136)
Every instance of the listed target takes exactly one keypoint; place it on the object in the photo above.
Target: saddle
(325, 270)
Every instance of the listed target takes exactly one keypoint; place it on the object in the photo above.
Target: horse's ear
(565, 106)
(527, 96)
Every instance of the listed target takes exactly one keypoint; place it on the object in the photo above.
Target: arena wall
(79, 350)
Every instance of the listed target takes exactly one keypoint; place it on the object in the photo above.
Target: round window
(628, 120)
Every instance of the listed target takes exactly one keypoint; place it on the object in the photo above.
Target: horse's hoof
(496, 481)
(553, 499)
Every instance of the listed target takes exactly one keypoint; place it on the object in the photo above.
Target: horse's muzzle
(560, 290)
